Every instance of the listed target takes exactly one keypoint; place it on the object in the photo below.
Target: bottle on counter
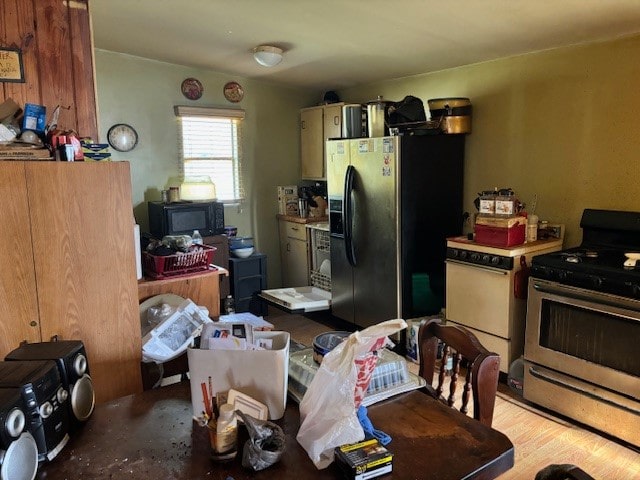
(226, 437)
(197, 238)
(229, 305)
(532, 228)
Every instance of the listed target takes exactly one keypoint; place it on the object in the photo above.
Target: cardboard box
(288, 200)
(261, 374)
(364, 460)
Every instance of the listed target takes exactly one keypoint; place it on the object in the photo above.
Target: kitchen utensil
(377, 115)
(453, 113)
(325, 342)
(242, 252)
(303, 207)
(352, 120)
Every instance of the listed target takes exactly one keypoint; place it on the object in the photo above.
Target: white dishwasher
(486, 293)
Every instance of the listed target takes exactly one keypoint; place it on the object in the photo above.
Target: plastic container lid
(226, 411)
(325, 342)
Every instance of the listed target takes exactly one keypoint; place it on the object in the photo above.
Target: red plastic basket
(199, 258)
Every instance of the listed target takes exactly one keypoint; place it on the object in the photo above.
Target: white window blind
(210, 142)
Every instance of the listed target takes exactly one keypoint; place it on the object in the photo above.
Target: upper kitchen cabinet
(57, 55)
(316, 125)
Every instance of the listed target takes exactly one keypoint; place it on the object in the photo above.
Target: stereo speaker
(18, 448)
(47, 415)
(71, 358)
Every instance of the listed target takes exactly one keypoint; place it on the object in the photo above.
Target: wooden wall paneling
(54, 60)
(18, 304)
(83, 69)
(82, 229)
(57, 53)
(17, 22)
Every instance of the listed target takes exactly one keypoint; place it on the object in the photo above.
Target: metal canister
(377, 117)
(164, 196)
(352, 120)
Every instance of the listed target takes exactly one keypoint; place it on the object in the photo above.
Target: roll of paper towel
(136, 239)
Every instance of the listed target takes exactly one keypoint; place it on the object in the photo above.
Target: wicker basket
(197, 259)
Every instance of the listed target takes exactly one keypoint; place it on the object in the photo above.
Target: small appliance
(182, 218)
(70, 357)
(18, 448)
(46, 414)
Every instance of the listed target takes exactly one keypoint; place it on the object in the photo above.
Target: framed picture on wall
(11, 67)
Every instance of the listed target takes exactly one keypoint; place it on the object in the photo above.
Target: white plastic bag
(328, 408)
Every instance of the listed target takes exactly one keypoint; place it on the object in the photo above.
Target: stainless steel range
(583, 327)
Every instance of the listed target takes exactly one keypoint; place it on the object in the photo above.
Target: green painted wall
(563, 125)
(559, 125)
(143, 92)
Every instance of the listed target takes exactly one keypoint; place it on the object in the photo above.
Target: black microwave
(182, 218)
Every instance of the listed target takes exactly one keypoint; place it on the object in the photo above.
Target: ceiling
(333, 44)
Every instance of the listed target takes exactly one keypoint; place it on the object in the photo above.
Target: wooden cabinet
(316, 125)
(294, 254)
(57, 54)
(67, 266)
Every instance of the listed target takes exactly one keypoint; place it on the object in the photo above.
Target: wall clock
(192, 88)
(233, 92)
(122, 137)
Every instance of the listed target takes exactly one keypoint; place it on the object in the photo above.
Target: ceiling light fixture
(267, 55)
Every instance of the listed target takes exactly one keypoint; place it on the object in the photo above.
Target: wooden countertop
(293, 218)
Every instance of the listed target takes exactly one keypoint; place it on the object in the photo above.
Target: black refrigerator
(393, 201)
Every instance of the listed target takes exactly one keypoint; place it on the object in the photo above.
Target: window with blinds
(210, 142)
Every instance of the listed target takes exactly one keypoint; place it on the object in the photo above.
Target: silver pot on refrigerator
(377, 116)
(352, 125)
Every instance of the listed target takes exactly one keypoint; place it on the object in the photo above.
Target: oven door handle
(485, 268)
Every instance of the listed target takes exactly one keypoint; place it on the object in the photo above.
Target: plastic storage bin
(391, 371)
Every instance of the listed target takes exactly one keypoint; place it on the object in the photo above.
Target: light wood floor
(539, 437)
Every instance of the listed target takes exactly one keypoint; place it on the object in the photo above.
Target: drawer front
(296, 230)
(249, 266)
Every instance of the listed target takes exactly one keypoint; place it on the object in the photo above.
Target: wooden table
(152, 435)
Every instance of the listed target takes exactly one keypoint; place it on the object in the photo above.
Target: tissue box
(261, 374)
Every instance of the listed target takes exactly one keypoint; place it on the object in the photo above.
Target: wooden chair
(562, 472)
(482, 367)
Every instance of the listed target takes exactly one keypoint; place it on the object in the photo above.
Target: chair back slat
(466, 351)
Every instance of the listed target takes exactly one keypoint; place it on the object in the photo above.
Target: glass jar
(487, 206)
(506, 203)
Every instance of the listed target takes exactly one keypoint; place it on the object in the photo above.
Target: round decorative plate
(192, 88)
(122, 137)
(233, 92)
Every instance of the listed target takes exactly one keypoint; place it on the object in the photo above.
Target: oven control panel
(479, 258)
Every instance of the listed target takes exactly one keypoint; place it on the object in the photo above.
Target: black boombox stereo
(71, 359)
(45, 402)
(18, 448)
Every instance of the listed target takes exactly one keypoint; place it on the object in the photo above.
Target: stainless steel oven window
(595, 336)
